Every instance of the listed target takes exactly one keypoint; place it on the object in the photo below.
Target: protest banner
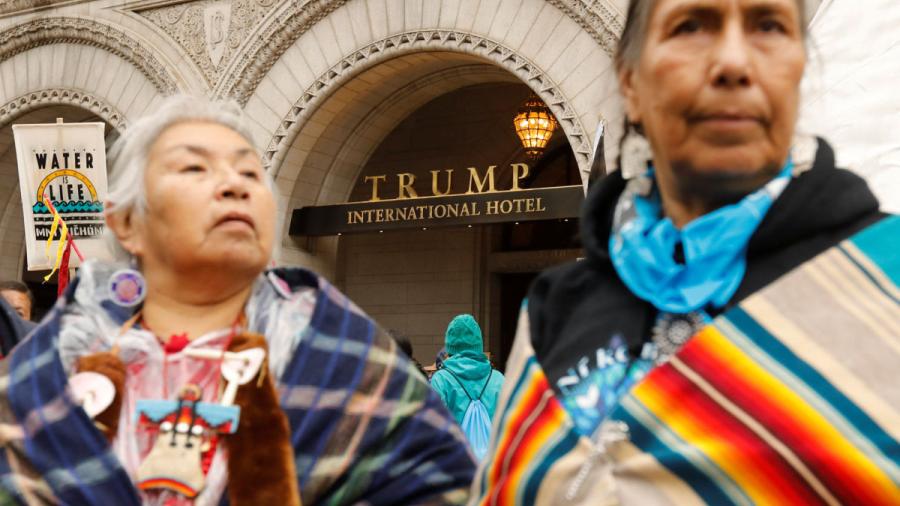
(64, 164)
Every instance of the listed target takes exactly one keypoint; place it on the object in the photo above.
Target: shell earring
(803, 152)
(635, 154)
(127, 287)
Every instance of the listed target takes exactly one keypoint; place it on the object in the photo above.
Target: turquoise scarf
(643, 243)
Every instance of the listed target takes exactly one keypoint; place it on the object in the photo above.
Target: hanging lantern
(534, 125)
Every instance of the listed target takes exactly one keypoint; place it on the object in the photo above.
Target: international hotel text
(477, 184)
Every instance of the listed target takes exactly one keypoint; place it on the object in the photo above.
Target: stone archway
(86, 32)
(481, 48)
(50, 97)
(602, 20)
(313, 94)
(77, 68)
(560, 48)
(340, 124)
(323, 162)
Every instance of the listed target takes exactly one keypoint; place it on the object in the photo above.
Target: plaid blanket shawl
(366, 428)
(790, 398)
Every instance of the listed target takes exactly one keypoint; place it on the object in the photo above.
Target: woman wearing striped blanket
(732, 335)
(192, 376)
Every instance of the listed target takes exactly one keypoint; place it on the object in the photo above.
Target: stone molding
(269, 44)
(602, 23)
(249, 56)
(58, 30)
(61, 96)
(296, 17)
(430, 40)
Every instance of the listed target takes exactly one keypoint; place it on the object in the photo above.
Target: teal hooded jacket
(471, 367)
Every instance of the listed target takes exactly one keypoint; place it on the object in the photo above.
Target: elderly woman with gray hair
(191, 375)
(731, 335)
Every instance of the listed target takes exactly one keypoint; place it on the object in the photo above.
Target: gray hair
(128, 156)
(631, 43)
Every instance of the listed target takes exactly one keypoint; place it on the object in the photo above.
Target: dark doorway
(513, 289)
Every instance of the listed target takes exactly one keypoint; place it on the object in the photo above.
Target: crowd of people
(729, 338)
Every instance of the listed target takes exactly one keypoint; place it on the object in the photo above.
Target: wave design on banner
(81, 206)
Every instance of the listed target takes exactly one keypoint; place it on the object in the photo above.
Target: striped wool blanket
(790, 398)
(366, 428)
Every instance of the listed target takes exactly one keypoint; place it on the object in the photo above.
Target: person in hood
(466, 373)
(187, 373)
(738, 289)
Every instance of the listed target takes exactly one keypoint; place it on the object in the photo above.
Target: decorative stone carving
(45, 31)
(601, 21)
(216, 18)
(187, 23)
(273, 40)
(25, 103)
(432, 40)
(604, 24)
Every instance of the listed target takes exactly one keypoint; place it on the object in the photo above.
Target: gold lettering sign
(445, 210)
(375, 180)
(499, 206)
(405, 189)
(478, 182)
(520, 172)
(434, 183)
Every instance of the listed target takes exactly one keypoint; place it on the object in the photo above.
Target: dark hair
(632, 40)
(403, 342)
(17, 286)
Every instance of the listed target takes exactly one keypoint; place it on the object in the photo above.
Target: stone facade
(324, 83)
(306, 71)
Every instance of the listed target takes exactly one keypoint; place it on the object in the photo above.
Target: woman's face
(208, 206)
(716, 87)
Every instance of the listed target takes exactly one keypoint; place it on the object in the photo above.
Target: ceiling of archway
(352, 103)
(357, 116)
(398, 48)
(356, 98)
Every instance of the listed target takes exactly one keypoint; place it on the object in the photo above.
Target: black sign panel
(450, 210)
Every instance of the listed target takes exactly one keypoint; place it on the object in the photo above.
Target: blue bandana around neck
(643, 242)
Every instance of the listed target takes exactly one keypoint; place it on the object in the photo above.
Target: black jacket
(575, 309)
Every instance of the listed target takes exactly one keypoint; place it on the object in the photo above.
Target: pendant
(93, 391)
(127, 287)
(671, 331)
(185, 428)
